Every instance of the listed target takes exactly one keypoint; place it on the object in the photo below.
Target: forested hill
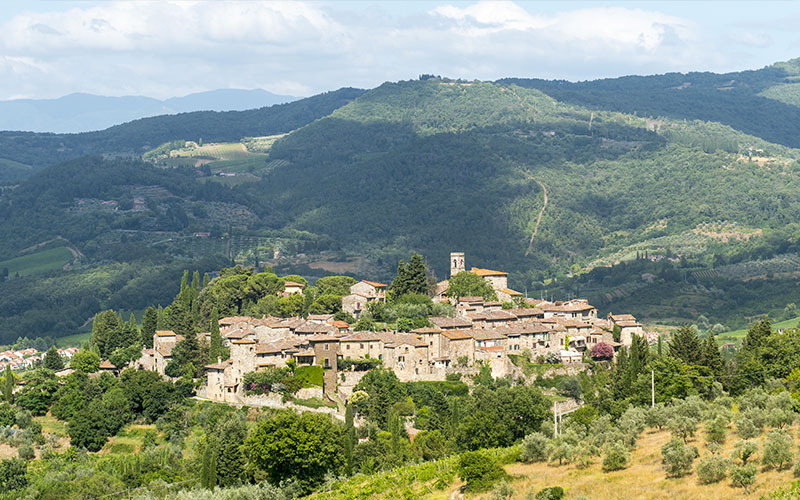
(362, 178)
(762, 103)
(138, 136)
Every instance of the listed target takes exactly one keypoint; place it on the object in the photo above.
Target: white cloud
(172, 48)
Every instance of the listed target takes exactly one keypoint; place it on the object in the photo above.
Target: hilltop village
(480, 333)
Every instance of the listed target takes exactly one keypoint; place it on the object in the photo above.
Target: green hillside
(46, 260)
(690, 176)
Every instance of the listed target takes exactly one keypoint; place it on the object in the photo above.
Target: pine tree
(685, 345)
(53, 360)
(149, 326)
(711, 356)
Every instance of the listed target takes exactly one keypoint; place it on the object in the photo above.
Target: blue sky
(163, 49)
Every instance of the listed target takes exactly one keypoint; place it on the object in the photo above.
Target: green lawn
(46, 260)
(738, 335)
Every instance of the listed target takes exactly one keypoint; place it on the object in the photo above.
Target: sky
(165, 49)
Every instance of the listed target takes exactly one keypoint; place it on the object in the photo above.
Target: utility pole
(652, 388)
(555, 418)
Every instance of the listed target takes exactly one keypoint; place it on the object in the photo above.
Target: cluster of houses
(481, 332)
(29, 358)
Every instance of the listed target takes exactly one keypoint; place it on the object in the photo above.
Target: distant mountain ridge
(81, 112)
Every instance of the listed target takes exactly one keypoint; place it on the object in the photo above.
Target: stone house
(628, 326)
(445, 323)
(361, 345)
(361, 294)
(292, 288)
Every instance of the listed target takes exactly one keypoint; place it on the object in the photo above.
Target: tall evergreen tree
(411, 277)
(711, 356)
(349, 438)
(8, 385)
(106, 332)
(207, 279)
(178, 319)
(215, 341)
(208, 466)
(149, 326)
(685, 345)
(160, 319)
(53, 360)
(756, 336)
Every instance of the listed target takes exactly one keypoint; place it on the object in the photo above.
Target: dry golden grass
(645, 478)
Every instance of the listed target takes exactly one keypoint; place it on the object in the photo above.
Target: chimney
(219, 360)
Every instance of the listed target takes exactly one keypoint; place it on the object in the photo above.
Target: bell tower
(456, 263)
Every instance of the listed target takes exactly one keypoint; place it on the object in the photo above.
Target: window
(325, 346)
(348, 347)
(360, 346)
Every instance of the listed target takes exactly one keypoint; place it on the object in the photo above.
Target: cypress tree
(349, 437)
(208, 467)
(206, 280)
(756, 336)
(215, 342)
(149, 326)
(8, 385)
(195, 284)
(160, 320)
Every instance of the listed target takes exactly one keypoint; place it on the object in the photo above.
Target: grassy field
(645, 478)
(738, 335)
(46, 260)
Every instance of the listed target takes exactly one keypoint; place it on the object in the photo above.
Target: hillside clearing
(46, 260)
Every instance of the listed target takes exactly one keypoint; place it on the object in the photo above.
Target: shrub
(744, 450)
(712, 469)
(602, 351)
(746, 428)
(534, 447)
(796, 469)
(743, 476)
(777, 450)
(26, 452)
(502, 491)
(678, 457)
(479, 470)
(551, 493)
(616, 457)
(716, 429)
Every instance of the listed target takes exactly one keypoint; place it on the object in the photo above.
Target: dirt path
(76, 254)
(541, 212)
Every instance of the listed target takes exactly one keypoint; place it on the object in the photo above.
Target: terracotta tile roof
(320, 317)
(293, 284)
(471, 298)
(165, 333)
(220, 366)
(451, 323)
(229, 320)
(360, 337)
(165, 350)
(574, 323)
(487, 272)
(622, 317)
(243, 341)
(526, 312)
(494, 303)
(426, 330)
(511, 292)
(107, 365)
(148, 352)
(340, 324)
(500, 316)
(625, 324)
(455, 335)
(314, 328)
(485, 334)
(237, 334)
(323, 338)
(375, 284)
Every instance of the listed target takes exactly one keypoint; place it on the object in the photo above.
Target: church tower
(456, 263)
